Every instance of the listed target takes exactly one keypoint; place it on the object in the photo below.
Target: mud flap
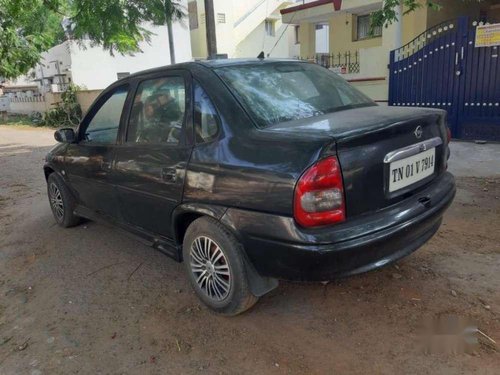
(259, 285)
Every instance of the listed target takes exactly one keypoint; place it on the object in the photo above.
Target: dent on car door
(150, 165)
(88, 162)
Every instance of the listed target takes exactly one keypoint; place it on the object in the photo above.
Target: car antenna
(261, 55)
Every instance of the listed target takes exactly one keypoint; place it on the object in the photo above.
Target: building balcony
(322, 10)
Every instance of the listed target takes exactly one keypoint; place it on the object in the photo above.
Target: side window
(158, 111)
(206, 119)
(103, 127)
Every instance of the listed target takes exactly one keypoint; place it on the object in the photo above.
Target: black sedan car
(251, 171)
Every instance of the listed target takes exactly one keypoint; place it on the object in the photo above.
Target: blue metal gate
(442, 68)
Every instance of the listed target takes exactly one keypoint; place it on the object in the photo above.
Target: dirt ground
(90, 300)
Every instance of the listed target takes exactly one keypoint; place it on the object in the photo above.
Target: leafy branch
(30, 27)
(388, 14)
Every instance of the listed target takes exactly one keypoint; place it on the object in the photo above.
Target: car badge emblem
(418, 132)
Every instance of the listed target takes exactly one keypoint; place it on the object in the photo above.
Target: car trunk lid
(366, 138)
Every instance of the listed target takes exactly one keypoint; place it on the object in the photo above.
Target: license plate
(412, 169)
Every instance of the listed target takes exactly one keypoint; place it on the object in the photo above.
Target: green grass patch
(16, 120)
(21, 120)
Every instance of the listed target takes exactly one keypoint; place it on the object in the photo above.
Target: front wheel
(215, 264)
(61, 202)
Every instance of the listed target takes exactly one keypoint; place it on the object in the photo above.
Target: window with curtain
(363, 28)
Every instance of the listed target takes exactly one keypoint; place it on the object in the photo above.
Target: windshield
(278, 92)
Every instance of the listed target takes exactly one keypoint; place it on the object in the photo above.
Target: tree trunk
(171, 41)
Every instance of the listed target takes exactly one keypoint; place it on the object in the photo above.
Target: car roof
(230, 62)
(211, 64)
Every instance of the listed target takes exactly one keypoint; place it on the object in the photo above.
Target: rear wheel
(215, 264)
(61, 202)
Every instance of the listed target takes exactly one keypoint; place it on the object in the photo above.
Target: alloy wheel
(56, 201)
(210, 268)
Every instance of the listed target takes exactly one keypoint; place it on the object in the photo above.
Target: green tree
(116, 25)
(30, 27)
(27, 28)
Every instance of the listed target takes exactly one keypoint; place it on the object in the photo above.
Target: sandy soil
(70, 301)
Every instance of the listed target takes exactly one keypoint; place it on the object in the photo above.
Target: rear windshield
(279, 92)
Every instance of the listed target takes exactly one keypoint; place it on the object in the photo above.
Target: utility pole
(210, 29)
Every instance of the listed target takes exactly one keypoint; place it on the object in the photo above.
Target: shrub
(36, 118)
(67, 112)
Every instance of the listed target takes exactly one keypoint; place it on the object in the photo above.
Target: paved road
(90, 300)
(471, 159)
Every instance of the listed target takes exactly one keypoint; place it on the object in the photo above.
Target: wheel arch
(186, 213)
(47, 171)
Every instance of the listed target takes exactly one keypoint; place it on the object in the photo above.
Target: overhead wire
(284, 31)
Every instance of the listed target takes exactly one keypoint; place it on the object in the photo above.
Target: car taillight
(319, 195)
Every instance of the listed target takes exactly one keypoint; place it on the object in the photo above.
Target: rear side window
(206, 119)
(158, 111)
(103, 127)
(280, 92)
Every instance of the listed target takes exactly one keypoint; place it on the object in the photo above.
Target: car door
(150, 164)
(88, 161)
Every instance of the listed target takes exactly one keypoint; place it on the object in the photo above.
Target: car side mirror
(65, 135)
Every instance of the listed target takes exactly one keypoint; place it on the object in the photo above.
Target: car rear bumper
(278, 248)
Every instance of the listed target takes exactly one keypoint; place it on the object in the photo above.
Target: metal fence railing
(346, 62)
(27, 99)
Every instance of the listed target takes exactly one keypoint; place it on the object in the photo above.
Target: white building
(91, 67)
(244, 29)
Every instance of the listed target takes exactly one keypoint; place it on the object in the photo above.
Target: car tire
(215, 264)
(61, 202)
